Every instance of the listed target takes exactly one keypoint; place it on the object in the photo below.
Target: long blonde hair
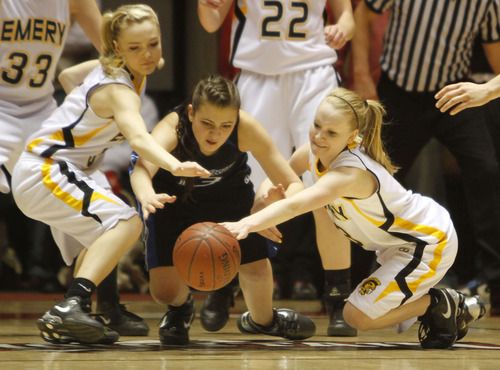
(368, 117)
(113, 23)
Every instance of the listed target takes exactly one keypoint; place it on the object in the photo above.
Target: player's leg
(168, 288)
(256, 281)
(70, 320)
(335, 251)
(118, 227)
(113, 314)
(402, 290)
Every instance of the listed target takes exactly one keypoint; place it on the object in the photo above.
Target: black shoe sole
(80, 332)
(174, 341)
(341, 331)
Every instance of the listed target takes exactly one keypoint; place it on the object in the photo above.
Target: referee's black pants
(414, 121)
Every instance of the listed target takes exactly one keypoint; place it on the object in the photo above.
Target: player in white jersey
(33, 34)
(56, 180)
(286, 56)
(355, 198)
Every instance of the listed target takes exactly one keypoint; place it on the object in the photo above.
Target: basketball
(207, 256)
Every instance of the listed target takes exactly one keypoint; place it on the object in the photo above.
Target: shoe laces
(286, 325)
(175, 317)
(85, 304)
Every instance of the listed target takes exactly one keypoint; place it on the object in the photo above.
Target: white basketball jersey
(32, 36)
(74, 133)
(392, 216)
(275, 37)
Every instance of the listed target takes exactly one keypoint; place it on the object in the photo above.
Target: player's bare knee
(258, 270)
(357, 319)
(136, 226)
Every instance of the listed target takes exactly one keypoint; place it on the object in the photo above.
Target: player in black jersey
(212, 131)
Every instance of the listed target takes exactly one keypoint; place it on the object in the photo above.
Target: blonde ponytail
(368, 117)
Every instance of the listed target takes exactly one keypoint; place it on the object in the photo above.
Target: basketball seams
(205, 269)
(193, 258)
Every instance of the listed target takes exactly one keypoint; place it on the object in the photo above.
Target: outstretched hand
(190, 169)
(151, 203)
(461, 96)
(239, 229)
(272, 234)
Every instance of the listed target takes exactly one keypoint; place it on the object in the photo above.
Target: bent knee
(357, 319)
(258, 270)
(136, 225)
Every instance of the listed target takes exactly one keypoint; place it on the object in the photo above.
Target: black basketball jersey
(230, 175)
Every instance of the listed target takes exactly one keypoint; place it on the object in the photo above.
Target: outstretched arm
(144, 171)
(212, 13)
(344, 181)
(121, 103)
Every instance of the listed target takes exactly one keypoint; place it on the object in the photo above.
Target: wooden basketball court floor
(22, 348)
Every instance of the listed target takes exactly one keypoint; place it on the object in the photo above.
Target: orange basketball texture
(207, 256)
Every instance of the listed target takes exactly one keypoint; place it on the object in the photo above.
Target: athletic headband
(349, 104)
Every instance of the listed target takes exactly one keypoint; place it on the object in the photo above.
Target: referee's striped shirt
(428, 44)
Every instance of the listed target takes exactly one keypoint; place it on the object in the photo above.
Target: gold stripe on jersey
(61, 194)
(59, 136)
(81, 140)
(423, 229)
(138, 87)
(438, 252)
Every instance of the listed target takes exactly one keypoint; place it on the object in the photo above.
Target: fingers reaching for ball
(155, 201)
(272, 234)
(238, 229)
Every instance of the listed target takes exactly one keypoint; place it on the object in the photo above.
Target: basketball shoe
(117, 318)
(109, 337)
(286, 323)
(337, 327)
(438, 326)
(215, 312)
(70, 318)
(471, 309)
(175, 324)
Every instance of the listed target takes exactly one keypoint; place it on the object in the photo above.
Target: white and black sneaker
(438, 326)
(70, 319)
(471, 309)
(286, 323)
(175, 324)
